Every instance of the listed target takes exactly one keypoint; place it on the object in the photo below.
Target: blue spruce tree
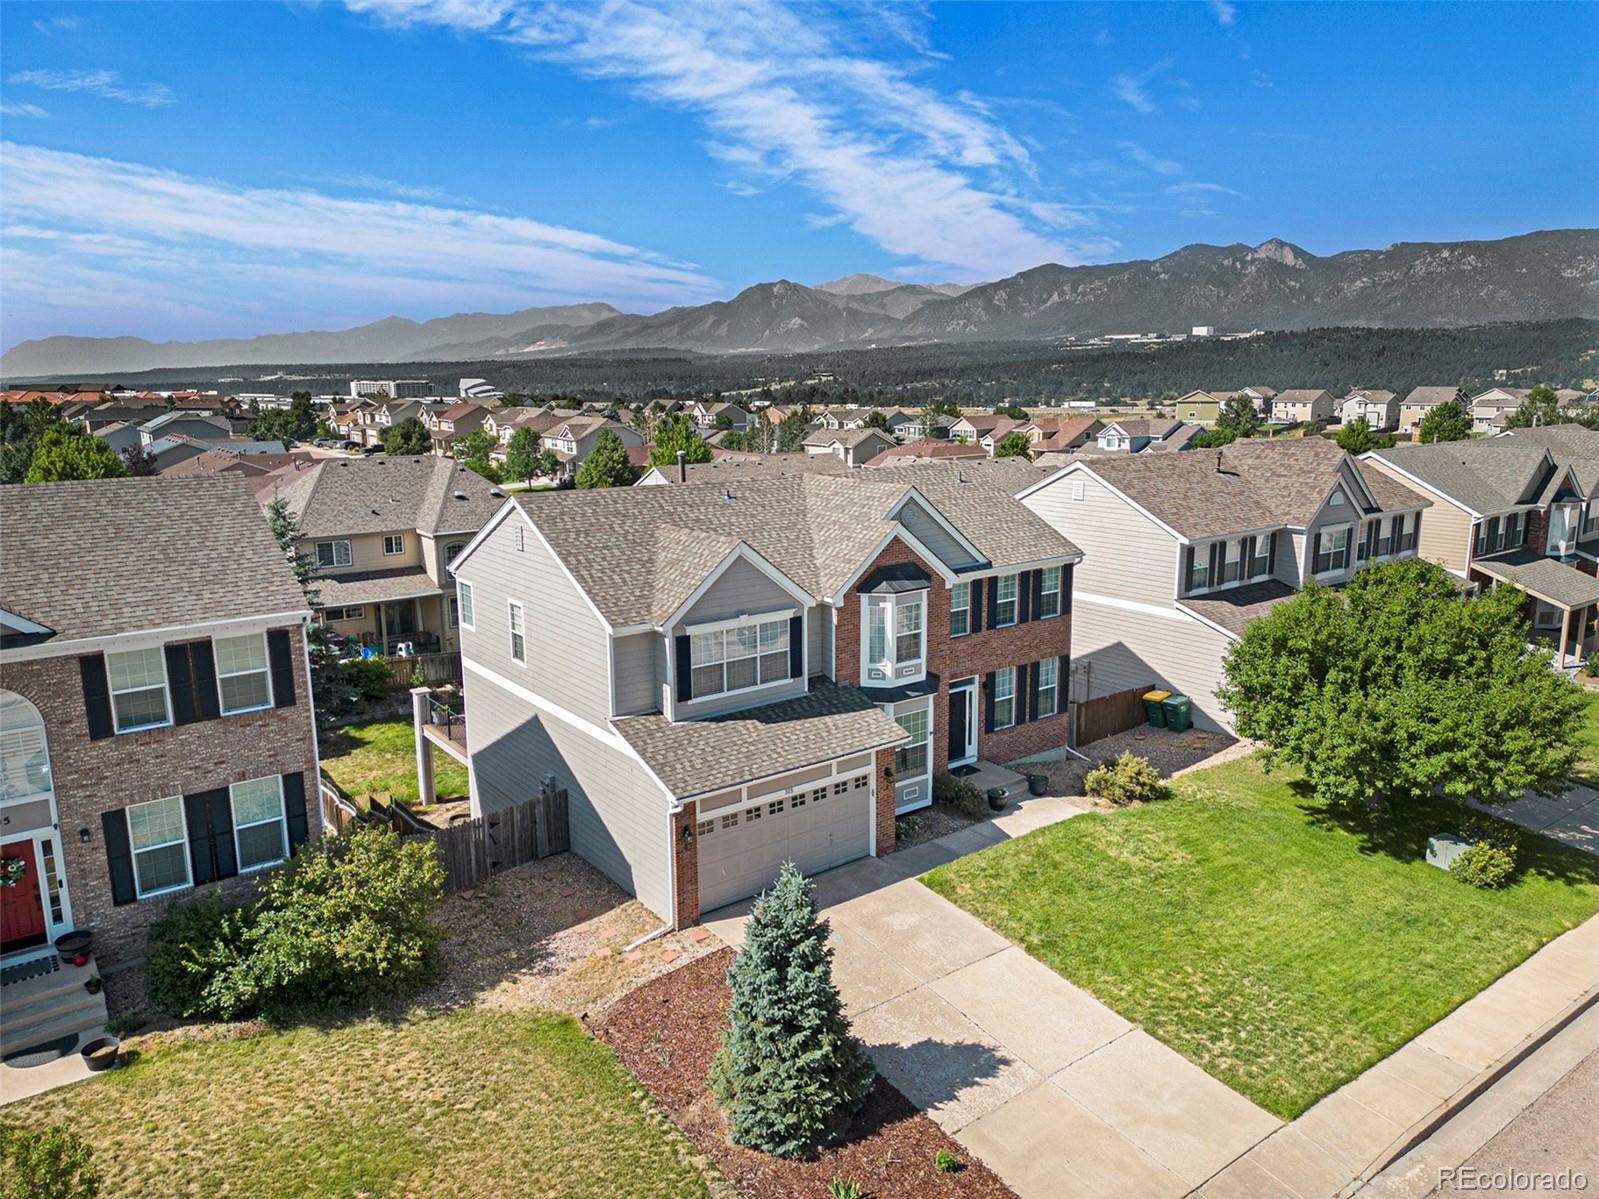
(789, 1072)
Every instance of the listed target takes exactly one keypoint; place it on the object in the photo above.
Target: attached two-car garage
(817, 822)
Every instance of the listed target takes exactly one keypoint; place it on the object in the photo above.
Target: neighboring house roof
(341, 497)
(1484, 476)
(113, 556)
(736, 469)
(695, 757)
(926, 450)
(639, 552)
(1371, 395)
(1144, 427)
(1302, 395)
(1173, 442)
(372, 587)
(1427, 397)
(1548, 579)
(223, 458)
(1235, 607)
(1569, 445)
(167, 418)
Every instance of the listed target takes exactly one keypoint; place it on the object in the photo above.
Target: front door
(962, 747)
(21, 904)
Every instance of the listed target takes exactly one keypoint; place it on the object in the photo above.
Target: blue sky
(225, 169)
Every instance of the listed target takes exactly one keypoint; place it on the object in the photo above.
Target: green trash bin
(1177, 709)
(1153, 709)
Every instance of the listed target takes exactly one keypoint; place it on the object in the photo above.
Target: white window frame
(266, 669)
(1006, 673)
(393, 545)
(452, 611)
(965, 609)
(166, 690)
(926, 743)
(724, 627)
(1053, 688)
(282, 821)
(516, 627)
(1262, 557)
(917, 606)
(1341, 566)
(333, 547)
(999, 601)
(464, 590)
(888, 669)
(1232, 558)
(182, 839)
(329, 615)
(1046, 592)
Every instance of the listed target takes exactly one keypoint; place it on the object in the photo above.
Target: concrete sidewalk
(1061, 1096)
(1572, 817)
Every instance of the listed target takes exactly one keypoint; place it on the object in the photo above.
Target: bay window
(138, 689)
(908, 632)
(896, 638)
(960, 610)
(1048, 593)
(1005, 697)
(160, 851)
(1004, 600)
(740, 656)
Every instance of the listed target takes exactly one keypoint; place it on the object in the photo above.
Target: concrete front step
(52, 1005)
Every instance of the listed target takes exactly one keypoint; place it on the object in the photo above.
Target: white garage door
(819, 828)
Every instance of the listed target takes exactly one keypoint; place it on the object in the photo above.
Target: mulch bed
(666, 1033)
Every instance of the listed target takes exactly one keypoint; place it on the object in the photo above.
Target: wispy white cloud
(1161, 166)
(22, 110)
(131, 242)
(1132, 88)
(103, 83)
(65, 23)
(1215, 189)
(360, 181)
(1224, 12)
(793, 96)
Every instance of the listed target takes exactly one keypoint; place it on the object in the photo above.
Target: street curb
(1467, 1094)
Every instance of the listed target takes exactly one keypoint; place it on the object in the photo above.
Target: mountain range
(1275, 285)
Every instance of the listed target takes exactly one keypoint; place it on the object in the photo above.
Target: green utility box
(1178, 713)
(1153, 709)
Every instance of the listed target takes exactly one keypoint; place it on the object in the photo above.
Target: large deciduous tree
(789, 1072)
(1444, 422)
(410, 436)
(527, 459)
(1013, 445)
(1541, 407)
(606, 464)
(1396, 687)
(676, 433)
(68, 452)
(1356, 437)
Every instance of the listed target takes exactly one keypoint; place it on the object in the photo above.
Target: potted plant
(102, 1053)
(74, 945)
(1036, 783)
(996, 798)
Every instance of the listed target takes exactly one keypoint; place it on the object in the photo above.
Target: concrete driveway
(1053, 1090)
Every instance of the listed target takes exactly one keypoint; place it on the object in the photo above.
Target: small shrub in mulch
(667, 1031)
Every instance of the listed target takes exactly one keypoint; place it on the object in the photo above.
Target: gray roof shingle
(695, 757)
(1488, 475)
(114, 556)
(341, 497)
(1546, 578)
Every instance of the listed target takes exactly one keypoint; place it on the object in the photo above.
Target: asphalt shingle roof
(341, 497)
(113, 556)
(372, 586)
(1235, 608)
(695, 757)
(770, 466)
(1546, 578)
(1487, 475)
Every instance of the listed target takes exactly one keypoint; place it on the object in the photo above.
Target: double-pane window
(1004, 600)
(1334, 552)
(160, 852)
(518, 635)
(908, 633)
(1005, 697)
(910, 760)
(960, 610)
(740, 657)
(242, 673)
(332, 553)
(1048, 593)
(1048, 699)
(463, 591)
(259, 829)
(138, 689)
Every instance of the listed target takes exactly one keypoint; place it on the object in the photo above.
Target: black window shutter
(294, 809)
(118, 855)
(196, 817)
(203, 660)
(796, 647)
(1315, 552)
(685, 669)
(180, 677)
(1218, 553)
(1066, 588)
(1024, 596)
(97, 699)
(1246, 567)
(1271, 555)
(976, 618)
(988, 702)
(1063, 681)
(224, 854)
(1188, 568)
(1023, 708)
(278, 655)
(1038, 677)
(993, 601)
(1038, 593)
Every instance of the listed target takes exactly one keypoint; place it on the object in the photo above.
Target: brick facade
(955, 658)
(686, 855)
(883, 774)
(96, 776)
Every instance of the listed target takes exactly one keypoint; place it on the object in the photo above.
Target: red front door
(21, 906)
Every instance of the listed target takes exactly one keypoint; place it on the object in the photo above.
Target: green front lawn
(1258, 935)
(380, 756)
(473, 1104)
(1588, 743)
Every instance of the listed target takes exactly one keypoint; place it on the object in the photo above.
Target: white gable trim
(903, 534)
(939, 519)
(740, 552)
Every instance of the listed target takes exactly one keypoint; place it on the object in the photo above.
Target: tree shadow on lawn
(1401, 831)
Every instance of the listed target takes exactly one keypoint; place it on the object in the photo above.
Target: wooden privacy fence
(1107, 715)
(471, 850)
(339, 813)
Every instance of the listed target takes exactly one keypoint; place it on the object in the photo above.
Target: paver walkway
(1061, 1096)
(1572, 817)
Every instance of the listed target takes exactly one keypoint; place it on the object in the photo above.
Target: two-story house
(855, 447)
(1378, 408)
(974, 427)
(382, 532)
(456, 420)
(573, 438)
(1303, 406)
(710, 415)
(1489, 408)
(1519, 508)
(156, 726)
(1134, 436)
(1181, 551)
(1200, 407)
(726, 677)
(1055, 433)
(1422, 400)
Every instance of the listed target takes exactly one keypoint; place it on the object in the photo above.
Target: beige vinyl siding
(618, 815)
(568, 657)
(741, 590)
(1116, 648)
(366, 552)
(1125, 553)
(1445, 527)
(931, 534)
(1287, 565)
(634, 661)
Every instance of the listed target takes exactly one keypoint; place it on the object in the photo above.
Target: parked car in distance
(329, 443)
(372, 449)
